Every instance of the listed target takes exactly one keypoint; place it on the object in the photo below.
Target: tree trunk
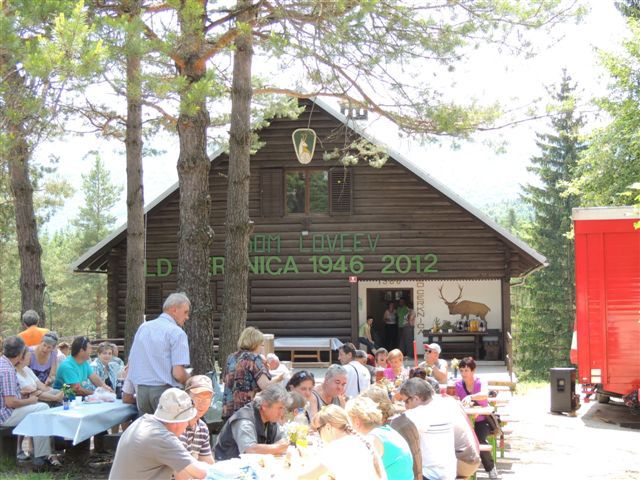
(135, 303)
(238, 224)
(195, 234)
(31, 277)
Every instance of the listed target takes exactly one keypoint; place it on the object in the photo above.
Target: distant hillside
(511, 214)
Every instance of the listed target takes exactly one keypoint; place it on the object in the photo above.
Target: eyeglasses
(428, 351)
(321, 427)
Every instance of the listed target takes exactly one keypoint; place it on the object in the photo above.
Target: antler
(459, 295)
(442, 296)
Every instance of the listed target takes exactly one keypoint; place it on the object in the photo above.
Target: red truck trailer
(608, 302)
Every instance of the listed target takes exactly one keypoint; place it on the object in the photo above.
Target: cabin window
(307, 191)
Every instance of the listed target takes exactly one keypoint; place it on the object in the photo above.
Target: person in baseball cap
(150, 448)
(196, 437)
(433, 364)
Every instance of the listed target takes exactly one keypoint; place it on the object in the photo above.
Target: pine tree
(544, 319)
(94, 222)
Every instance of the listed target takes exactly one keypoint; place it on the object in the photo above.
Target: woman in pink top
(396, 372)
(473, 391)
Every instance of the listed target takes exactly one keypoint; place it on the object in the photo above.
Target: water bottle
(119, 384)
(302, 428)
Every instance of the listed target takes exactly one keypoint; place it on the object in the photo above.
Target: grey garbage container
(563, 389)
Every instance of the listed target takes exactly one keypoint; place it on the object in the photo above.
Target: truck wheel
(602, 398)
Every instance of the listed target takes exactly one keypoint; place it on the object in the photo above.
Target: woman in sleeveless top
(367, 419)
(472, 390)
(345, 455)
(400, 423)
(390, 326)
(331, 391)
(44, 358)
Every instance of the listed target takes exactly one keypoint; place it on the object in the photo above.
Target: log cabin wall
(394, 212)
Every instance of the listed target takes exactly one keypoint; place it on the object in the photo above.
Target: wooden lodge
(333, 244)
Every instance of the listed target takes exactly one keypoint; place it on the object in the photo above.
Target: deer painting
(465, 308)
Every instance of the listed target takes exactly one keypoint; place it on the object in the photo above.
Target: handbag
(493, 420)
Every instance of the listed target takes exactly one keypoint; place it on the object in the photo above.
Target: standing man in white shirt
(358, 377)
(160, 353)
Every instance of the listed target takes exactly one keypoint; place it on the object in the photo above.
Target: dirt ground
(601, 442)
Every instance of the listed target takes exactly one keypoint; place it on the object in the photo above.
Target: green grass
(12, 470)
(9, 469)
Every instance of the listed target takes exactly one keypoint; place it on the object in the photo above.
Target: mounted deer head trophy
(465, 308)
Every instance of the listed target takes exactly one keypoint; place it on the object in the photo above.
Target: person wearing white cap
(435, 366)
(196, 437)
(150, 447)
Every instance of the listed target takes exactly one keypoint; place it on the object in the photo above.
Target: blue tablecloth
(78, 423)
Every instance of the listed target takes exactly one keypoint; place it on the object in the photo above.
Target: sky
(474, 170)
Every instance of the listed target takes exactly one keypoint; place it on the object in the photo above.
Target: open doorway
(378, 300)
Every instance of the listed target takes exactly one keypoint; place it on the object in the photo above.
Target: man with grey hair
(13, 408)
(160, 353)
(32, 334)
(434, 422)
(361, 356)
(330, 391)
(255, 428)
(276, 368)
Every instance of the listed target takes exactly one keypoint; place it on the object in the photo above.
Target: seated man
(76, 371)
(254, 428)
(358, 377)
(276, 367)
(361, 356)
(435, 366)
(13, 408)
(150, 448)
(196, 437)
(435, 426)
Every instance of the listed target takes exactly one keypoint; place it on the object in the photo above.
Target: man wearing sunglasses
(435, 425)
(435, 366)
(76, 371)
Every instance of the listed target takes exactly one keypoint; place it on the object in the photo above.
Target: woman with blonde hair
(346, 455)
(246, 373)
(367, 419)
(396, 372)
(400, 423)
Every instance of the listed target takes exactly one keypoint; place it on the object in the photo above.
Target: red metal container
(608, 299)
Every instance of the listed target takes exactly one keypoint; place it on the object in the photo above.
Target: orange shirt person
(32, 334)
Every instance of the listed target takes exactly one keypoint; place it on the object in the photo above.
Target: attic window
(307, 191)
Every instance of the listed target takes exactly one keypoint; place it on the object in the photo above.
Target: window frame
(307, 192)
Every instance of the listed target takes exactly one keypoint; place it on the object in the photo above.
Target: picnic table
(77, 424)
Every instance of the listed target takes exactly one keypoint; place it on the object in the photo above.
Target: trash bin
(563, 389)
(268, 343)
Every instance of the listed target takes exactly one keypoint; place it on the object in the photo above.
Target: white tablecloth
(284, 343)
(78, 423)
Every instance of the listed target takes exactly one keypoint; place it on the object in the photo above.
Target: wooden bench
(307, 348)
(8, 443)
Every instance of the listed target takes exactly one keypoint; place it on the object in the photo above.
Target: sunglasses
(428, 351)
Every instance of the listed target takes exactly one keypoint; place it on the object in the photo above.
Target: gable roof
(95, 259)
